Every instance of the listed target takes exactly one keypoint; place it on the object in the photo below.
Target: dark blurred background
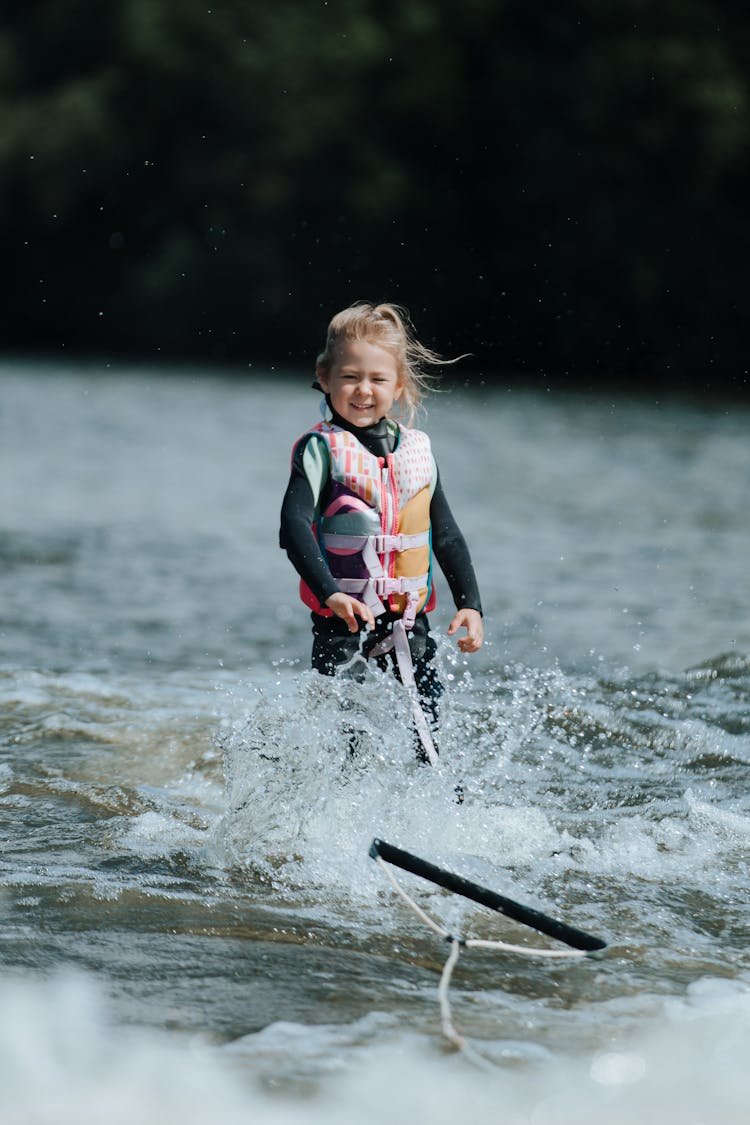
(559, 189)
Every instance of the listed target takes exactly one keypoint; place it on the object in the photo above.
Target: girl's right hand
(349, 609)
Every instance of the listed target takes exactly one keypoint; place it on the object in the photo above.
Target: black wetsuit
(333, 644)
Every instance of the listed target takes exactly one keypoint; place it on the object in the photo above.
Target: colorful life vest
(375, 527)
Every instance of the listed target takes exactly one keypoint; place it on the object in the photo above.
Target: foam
(62, 1062)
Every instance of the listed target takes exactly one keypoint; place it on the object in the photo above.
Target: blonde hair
(390, 327)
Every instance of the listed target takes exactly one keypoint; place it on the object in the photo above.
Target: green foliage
(552, 187)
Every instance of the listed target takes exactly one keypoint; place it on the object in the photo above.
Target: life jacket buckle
(384, 544)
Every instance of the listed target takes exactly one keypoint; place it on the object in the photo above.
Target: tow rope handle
(526, 915)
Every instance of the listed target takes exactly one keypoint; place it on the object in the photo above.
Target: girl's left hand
(471, 621)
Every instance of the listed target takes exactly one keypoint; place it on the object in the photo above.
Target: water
(191, 924)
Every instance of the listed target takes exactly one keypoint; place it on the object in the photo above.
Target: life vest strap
(374, 547)
(381, 544)
(371, 590)
(363, 589)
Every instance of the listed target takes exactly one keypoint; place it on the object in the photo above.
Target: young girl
(364, 513)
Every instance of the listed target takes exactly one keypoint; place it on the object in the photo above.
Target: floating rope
(584, 945)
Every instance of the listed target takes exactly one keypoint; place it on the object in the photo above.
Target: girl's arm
(296, 537)
(453, 556)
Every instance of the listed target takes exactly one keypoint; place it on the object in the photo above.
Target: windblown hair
(390, 327)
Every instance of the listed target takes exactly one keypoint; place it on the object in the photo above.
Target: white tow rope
(398, 641)
(394, 855)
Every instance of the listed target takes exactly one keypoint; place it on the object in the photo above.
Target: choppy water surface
(191, 924)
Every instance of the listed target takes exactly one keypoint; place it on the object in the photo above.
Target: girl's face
(363, 382)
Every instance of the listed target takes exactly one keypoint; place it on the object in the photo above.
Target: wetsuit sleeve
(452, 553)
(298, 513)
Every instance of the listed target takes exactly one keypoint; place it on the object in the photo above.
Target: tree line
(559, 189)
